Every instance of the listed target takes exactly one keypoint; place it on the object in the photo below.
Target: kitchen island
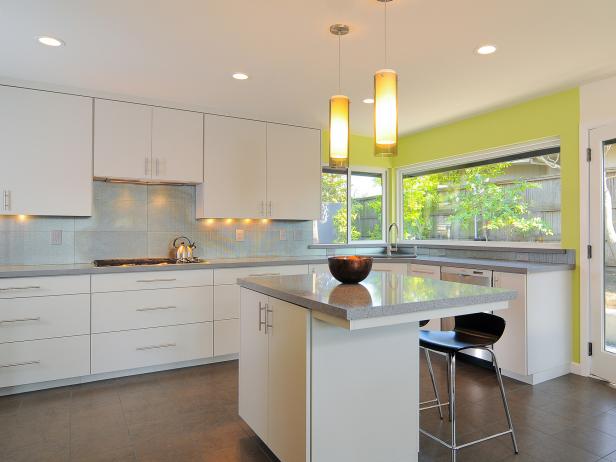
(330, 372)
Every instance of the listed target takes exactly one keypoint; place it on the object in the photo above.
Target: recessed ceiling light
(486, 50)
(50, 41)
(240, 76)
(368, 101)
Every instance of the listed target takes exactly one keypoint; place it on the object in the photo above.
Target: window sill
(489, 245)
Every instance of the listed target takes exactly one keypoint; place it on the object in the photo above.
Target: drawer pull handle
(20, 320)
(20, 288)
(156, 308)
(154, 347)
(157, 280)
(423, 272)
(26, 363)
(264, 274)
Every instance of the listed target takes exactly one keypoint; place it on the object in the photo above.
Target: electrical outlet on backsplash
(138, 220)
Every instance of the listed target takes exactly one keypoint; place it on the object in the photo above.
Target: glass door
(602, 229)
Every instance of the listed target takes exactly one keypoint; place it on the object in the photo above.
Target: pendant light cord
(339, 66)
(385, 32)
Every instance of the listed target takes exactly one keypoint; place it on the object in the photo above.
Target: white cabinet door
(511, 348)
(398, 268)
(177, 145)
(293, 172)
(429, 272)
(45, 153)
(234, 166)
(226, 302)
(226, 337)
(289, 360)
(253, 362)
(122, 140)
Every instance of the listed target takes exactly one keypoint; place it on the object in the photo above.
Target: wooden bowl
(350, 269)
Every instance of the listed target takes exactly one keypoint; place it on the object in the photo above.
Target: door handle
(261, 322)
(146, 168)
(269, 208)
(20, 320)
(262, 208)
(268, 325)
(155, 308)
(7, 199)
(157, 167)
(154, 347)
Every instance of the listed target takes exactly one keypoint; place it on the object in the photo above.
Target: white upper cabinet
(234, 169)
(177, 145)
(259, 170)
(293, 172)
(145, 143)
(45, 153)
(122, 141)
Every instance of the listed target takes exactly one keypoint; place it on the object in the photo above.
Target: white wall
(598, 103)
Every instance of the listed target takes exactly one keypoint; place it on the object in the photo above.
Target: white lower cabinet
(139, 309)
(44, 360)
(429, 272)
(227, 302)
(275, 374)
(226, 337)
(116, 351)
(398, 268)
(44, 317)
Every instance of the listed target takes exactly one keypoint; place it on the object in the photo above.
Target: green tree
(474, 201)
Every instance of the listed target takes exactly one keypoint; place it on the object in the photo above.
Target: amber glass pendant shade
(339, 131)
(386, 113)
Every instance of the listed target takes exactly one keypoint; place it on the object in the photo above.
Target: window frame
(384, 172)
(459, 161)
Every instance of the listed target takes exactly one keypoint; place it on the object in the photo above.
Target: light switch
(55, 237)
(283, 234)
(239, 234)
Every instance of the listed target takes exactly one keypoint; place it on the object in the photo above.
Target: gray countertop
(11, 271)
(381, 294)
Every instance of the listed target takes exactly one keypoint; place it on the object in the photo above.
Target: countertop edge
(376, 312)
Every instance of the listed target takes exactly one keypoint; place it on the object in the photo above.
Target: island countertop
(382, 295)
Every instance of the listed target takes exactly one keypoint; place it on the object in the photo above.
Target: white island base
(316, 391)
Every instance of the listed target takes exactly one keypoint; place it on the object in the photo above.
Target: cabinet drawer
(398, 268)
(44, 360)
(231, 275)
(150, 280)
(425, 271)
(226, 302)
(44, 317)
(115, 311)
(117, 351)
(44, 286)
(226, 337)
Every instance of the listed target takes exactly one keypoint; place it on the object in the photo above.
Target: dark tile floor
(191, 415)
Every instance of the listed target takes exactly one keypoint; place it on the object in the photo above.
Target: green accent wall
(554, 115)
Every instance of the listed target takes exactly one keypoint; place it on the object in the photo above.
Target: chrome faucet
(389, 240)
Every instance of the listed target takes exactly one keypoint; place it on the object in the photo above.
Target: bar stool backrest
(484, 324)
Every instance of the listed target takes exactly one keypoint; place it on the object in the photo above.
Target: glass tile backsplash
(133, 220)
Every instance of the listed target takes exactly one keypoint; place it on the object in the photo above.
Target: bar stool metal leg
(434, 387)
(505, 404)
(451, 362)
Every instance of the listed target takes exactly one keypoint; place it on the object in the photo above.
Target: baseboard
(576, 368)
(112, 375)
(539, 377)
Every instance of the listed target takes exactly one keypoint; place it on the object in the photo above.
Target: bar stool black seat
(480, 331)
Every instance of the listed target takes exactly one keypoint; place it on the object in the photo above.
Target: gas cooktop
(140, 261)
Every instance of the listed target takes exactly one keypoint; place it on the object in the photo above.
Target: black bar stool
(481, 331)
(425, 405)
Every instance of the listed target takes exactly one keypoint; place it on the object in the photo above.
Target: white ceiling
(184, 52)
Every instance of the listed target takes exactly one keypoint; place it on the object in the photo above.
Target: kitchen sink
(140, 262)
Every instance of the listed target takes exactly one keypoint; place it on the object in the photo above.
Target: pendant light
(339, 131)
(385, 106)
